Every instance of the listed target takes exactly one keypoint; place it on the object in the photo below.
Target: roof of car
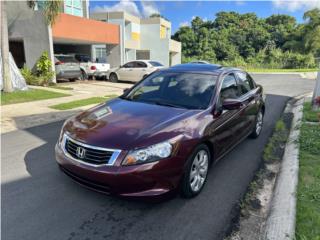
(201, 68)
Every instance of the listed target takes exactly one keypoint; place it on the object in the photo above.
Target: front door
(125, 71)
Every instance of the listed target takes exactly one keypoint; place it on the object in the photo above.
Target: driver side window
(229, 88)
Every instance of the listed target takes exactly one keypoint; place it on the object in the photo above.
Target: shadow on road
(54, 207)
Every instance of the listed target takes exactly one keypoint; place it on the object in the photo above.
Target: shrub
(43, 73)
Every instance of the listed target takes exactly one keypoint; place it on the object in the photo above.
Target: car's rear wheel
(196, 172)
(258, 125)
(113, 77)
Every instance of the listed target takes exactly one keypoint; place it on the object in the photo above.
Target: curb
(281, 221)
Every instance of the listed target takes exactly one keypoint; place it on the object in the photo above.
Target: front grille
(90, 155)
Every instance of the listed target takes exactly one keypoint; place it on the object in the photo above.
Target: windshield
(182, 90)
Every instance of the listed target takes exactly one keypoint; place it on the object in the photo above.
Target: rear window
(155, 64)
(66, 59)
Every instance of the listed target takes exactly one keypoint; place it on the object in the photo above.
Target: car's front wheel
(113, 77)
(258, 125)
(196, 172)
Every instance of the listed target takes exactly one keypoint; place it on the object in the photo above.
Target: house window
(163, 31)
(101, 54)
(73, 7)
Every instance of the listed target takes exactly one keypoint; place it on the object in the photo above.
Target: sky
(180, 13)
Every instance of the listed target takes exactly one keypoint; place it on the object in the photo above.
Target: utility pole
(316, 91)
(7, 83)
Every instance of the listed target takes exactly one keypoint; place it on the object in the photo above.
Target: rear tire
(258, 125)
(113, 77)
(196, 172)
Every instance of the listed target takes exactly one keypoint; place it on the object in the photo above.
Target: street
(40, 202)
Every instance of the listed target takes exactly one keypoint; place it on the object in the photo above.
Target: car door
(124, 72)
(139, 70)
(249, 98)
(227, 121)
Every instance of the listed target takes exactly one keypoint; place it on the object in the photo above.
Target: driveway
(40, 202)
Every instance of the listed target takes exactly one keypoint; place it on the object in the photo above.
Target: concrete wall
(114, 55)
(130, 55)
(150, 40)
(175, 58)
(30, 27)
(121, 23)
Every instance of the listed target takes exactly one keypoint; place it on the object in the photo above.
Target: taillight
(93, 68)
(59, 63)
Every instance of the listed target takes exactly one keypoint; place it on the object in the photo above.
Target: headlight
(149, 154)
(62, 132)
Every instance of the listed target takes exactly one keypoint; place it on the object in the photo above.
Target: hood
(125, 125)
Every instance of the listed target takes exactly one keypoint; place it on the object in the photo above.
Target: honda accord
(162, 135)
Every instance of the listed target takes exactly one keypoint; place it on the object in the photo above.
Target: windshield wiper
(168, 104)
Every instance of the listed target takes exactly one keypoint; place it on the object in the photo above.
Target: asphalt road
(40, 202)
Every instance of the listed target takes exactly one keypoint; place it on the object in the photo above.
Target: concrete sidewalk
(29, 114)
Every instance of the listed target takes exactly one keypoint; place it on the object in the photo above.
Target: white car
(91, 69)
(133, 71)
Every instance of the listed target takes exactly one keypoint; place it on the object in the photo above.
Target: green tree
(312, 31)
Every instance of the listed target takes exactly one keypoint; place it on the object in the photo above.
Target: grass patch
(82, 102)
(61, 87)
(308, 196)
(28, 96)
(308, 114)
(281, 70)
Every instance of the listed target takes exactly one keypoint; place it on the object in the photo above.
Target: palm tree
(51, 11)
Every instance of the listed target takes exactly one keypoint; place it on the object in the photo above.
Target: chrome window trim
(112, 160)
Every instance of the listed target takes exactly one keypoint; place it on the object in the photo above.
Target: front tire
(113, 77)
(196, 172)
(258, 125)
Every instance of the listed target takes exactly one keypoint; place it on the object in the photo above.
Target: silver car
(67, 67)
(133, 71)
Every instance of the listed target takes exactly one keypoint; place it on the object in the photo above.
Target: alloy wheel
(199, 170)
(259, 123)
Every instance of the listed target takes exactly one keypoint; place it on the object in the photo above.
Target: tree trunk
(51, 54)
(7, 83)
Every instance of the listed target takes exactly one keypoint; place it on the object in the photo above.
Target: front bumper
(145, 180)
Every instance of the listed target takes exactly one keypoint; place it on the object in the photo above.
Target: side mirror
(231, 104)
(126, 90)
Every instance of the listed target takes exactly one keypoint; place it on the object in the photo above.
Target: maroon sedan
(163, 133)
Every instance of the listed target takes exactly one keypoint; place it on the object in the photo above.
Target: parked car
(97, 69)
(67, 67)
(163, 133)
(133, 71)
